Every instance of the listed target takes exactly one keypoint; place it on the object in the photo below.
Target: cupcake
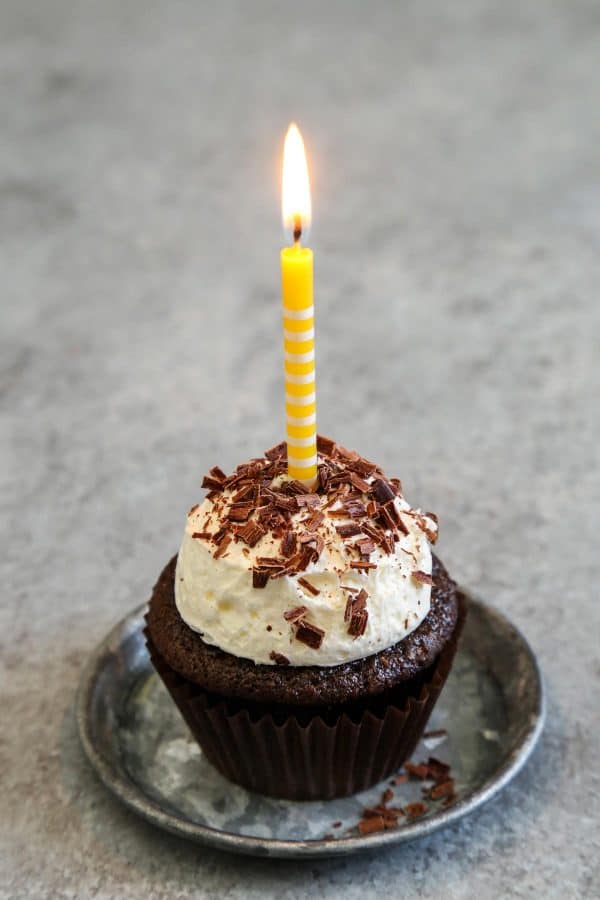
(305, 636)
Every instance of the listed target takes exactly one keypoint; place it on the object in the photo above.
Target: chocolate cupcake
(305, 636)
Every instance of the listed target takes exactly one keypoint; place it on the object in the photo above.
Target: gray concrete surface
(456, 177)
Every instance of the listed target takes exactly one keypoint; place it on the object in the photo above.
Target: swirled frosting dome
(271, 573)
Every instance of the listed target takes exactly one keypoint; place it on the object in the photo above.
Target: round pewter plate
(491, 713)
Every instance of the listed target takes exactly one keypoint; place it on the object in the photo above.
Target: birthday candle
(298, 316)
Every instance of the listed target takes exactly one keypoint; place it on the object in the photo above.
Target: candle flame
(295, 194)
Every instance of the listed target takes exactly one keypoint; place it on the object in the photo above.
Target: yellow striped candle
(298, 316)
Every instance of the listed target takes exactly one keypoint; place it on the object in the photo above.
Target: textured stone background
(456, 176)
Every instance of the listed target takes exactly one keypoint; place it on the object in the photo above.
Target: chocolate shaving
(308, 500)
(278, 658)
(362, 564)
(309, 634)
(430, 533)
(443, 789)
(223, 545)
(212, 484)
(193, 509)
(355, 508)
(382, 490)
(202, 535)
(366, 546)
(393, 513)
(309, 587)
(359, 483)
(251, 533)
(415, 810)
(325, 445)
(371, 824)
(400, 779)
(438, 770)
(386, 517)
(356, 613)
(345, 454)
(422, 577)
(420, 770)
(358, 623)
(295, 487)
(397, 485)
(260, 578)
(349, 530)
(283, 502)
(293, 615)
(270, 562)
(240, 512)
(288, 544)
(387, 795)
(218, 474)
(436, 733)
(363, 466)
(244, 493)
(315, 520)
(276, 452)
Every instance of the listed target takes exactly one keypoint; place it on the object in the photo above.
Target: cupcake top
(274, 573)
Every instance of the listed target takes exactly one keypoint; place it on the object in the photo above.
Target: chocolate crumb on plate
(443, 789)
(415, 810)
(415, 770)
(436, 733)
(371, 824)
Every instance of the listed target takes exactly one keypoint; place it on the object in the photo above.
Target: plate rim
(133, 797)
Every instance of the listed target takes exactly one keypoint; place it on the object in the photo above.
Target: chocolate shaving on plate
(443, 789)
(415, 810)
(371, 824)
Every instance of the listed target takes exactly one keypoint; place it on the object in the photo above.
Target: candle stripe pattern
(299, 351)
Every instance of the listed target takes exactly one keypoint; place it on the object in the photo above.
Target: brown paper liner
(304, 755)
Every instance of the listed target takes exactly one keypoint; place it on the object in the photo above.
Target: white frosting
(216, 598)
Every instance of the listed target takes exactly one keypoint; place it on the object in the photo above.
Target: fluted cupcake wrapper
(288, 757)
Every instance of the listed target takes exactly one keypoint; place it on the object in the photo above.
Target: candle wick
(297, 230)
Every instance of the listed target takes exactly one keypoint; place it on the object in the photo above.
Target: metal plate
(492, 708)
